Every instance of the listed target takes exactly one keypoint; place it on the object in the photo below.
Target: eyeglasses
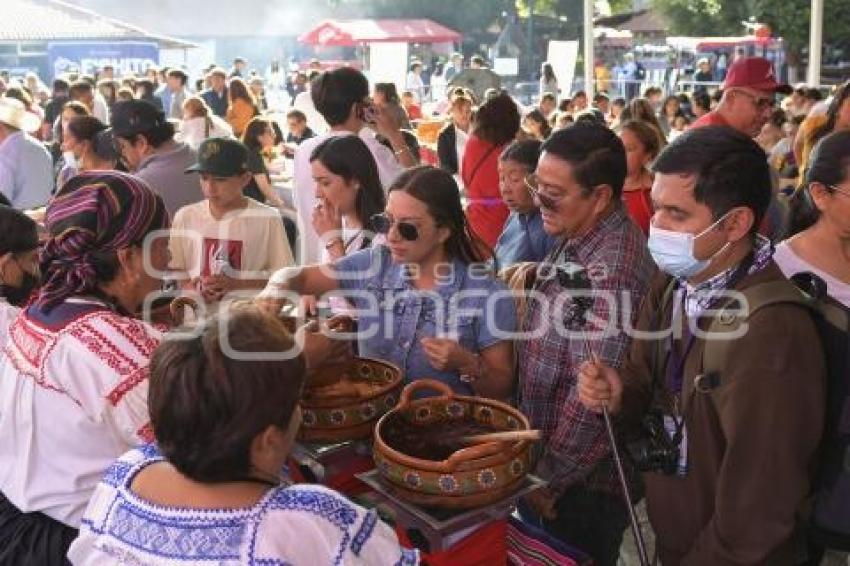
(536, 189)
(382, 224)
(760, 102)
(837, 189)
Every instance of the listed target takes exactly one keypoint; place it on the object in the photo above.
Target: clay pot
(335, 419)
(470, 477)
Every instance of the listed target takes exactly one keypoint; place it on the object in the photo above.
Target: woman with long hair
(243, 106)
(349, 195)
(536, 124)
(642, 147)
(815, 128)
(671, 108)
(259, 137)
(820, 219)
(200, 123)
(426, 301)
(641, 109)
(495, 126)
(548, 80)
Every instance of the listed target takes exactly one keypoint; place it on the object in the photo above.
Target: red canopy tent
(349, 33)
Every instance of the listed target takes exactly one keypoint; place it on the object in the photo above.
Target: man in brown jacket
(747, 437)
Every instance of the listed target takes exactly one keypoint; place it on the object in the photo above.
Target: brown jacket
(751, 442)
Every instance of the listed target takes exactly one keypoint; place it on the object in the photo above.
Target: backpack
(829, 522)
(640, 71)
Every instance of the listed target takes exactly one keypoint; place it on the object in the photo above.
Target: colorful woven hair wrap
(93, 215)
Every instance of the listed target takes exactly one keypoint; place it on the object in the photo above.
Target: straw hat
(14, 113)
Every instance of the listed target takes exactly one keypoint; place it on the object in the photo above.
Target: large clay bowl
(352, 418)
(471, 477)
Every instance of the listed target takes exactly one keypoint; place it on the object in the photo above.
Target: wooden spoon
(506, 436)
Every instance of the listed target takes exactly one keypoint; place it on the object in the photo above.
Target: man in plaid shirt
(578, 183)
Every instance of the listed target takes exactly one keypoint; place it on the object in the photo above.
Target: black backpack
(829, 523)
(640, 71)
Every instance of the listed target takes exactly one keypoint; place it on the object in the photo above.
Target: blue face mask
(673, 252)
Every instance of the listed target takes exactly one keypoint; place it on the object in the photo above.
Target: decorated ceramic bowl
(437, 476)
(360, 392)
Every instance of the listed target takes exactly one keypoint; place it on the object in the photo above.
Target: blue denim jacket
(468, 305)
(523, 239)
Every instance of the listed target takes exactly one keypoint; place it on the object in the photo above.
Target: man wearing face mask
(18, 264)
(738, 443)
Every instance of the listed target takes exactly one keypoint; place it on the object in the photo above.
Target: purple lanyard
(676, 361)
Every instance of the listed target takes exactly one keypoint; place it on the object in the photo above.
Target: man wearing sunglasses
(601, 256)
(749, 93)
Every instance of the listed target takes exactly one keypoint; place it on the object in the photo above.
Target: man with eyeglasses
(601, 258)
(749, 93)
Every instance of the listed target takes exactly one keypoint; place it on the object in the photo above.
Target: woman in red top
(642, 145)
(495, 125)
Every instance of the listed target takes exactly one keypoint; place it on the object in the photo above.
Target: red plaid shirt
(575, 446)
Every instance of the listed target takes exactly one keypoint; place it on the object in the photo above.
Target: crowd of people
(539, 261)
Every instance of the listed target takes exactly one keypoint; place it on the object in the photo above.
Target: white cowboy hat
(14, 113)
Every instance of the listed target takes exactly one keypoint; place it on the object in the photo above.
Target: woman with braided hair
(73, 375)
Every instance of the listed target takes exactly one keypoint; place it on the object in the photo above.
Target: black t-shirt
(256, 166)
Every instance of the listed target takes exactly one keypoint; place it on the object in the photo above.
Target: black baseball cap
(223, 157)
(133, 117)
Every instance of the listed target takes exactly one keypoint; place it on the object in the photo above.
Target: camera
(655, 450)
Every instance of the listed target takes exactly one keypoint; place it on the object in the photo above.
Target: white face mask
(673, 252)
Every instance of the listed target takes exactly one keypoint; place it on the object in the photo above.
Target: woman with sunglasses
(426, 301)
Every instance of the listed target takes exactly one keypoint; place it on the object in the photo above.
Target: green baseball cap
(222, 157)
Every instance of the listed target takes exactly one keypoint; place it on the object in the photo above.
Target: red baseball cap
(755, 73)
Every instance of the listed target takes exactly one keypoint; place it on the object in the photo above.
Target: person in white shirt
(415, 84)
(200, 123)
(73, 373)
(26, 170)
(342, 97)
(18, 265)
(820, 219)
(227, 242)
(210, 492)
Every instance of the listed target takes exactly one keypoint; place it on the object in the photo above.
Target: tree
(788, 19)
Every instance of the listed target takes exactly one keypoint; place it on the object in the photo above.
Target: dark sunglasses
(382, 224)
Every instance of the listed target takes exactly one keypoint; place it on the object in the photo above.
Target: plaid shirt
(575, 448)
(700, 297)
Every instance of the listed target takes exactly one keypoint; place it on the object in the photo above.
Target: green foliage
(788, 19)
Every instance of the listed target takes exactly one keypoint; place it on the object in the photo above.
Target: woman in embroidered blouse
(425, 301)
(210, 491)
(73, 387)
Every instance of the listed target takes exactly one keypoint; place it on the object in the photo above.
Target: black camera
(655, 450)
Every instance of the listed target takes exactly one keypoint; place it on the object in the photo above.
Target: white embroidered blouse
(297, 524)
(73, 397)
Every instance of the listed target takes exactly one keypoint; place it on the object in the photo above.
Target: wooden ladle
(506, 436)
